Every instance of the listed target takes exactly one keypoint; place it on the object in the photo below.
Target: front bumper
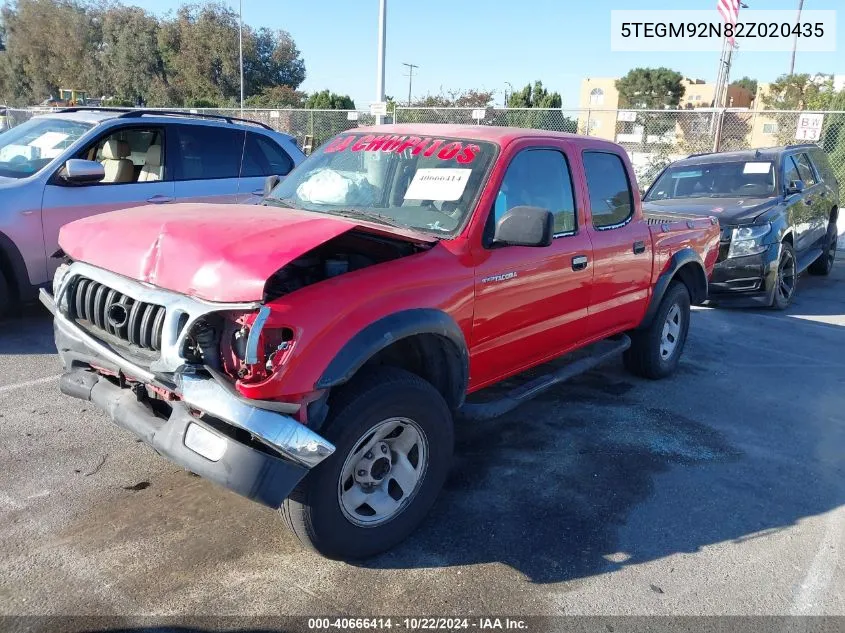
(747, 281)
(259, 453)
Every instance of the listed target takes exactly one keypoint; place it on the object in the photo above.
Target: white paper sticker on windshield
(48, 140)
(756, 168)
(438, 184)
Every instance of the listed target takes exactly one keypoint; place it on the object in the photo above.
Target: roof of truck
(491, 133)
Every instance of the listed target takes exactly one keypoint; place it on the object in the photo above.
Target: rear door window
(264, 157)
(805, 169)
(206, 152)
(790, 171)
(611, 198)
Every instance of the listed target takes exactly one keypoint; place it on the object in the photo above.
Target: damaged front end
(164, 366)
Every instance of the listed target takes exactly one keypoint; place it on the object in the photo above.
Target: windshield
(26, 148)
(427, 184)
(752, 179)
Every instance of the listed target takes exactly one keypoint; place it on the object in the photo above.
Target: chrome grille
(119, 315)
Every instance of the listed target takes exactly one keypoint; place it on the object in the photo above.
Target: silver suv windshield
(423, 183)
(27, 148)
(742, 179)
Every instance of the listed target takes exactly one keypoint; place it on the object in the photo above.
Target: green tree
(748, 83)
(326, 100)
(833, 138)
(655, 89)
(535, 96)
(129, 55)
(277, 97)
(39, 34)
(542, 110)
(799, 92)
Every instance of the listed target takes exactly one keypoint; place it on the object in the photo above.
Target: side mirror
(796, 186)
(77, 171)
(270, 184)
(525, 226)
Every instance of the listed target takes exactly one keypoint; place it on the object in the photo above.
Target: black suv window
(263, 157)
(207, 152)
(790, 171)
(611, 199)
(804, 168)
(539, 178)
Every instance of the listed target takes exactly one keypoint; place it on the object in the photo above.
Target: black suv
(777, 209)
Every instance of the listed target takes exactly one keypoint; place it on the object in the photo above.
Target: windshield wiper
(368, 215)
(284, 203)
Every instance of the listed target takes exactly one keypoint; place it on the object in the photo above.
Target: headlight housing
(748, 240)
(58, 279)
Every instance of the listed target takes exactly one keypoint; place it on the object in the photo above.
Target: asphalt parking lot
(718, 491)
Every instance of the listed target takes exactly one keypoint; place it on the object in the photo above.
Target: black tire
(644, 358)
(313, 511)
(824, 264)
(784, 290)
(5, 296)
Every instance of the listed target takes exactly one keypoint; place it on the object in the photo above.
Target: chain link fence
(652, 138)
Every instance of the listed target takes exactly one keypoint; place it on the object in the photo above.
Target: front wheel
(787, 277)
(656, 350)
(393, 435)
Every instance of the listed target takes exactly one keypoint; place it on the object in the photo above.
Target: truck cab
(313, 352)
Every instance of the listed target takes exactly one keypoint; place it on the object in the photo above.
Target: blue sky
(460, 44)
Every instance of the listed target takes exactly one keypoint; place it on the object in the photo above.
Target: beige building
(599, 102)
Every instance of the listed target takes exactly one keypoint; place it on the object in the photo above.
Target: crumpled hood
(727, 210)
(214, 252)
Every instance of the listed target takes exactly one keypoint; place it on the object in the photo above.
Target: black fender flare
(695, 280)
(14, 267)
(387, 331)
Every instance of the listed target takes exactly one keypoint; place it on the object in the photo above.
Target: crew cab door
(816, 198)
(133, 182)
(207, 160)
(531, 303)
(621, 241)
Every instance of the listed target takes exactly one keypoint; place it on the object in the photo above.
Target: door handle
(639, 247)
(258, 192)
(579, 262)
(160, 199)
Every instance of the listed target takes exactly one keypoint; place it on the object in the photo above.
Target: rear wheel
(394, 437)
(824, 264)
(5, 296)
(787, 277)
(656, 350)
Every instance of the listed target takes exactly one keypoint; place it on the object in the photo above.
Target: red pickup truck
(311, 353)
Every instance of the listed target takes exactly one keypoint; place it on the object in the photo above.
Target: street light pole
(241, 49)
(795, 41)
(411, 68)
(382, 32)
(508, 84)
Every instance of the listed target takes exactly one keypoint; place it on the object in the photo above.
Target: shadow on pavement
(28, 330)
(565, 487)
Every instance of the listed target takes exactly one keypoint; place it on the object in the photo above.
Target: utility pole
(241, 49)
(795, 41)
(508, 84)
(382, 33)
(411, 68)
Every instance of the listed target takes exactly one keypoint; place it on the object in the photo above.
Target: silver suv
(77, 162)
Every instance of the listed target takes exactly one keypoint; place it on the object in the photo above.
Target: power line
(410, 75)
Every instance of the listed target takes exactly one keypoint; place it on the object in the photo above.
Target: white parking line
(813, 589)
(29, 383)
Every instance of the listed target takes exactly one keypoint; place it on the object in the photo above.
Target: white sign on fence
(274, 114)
(479, 114)
(626, 115)
(352, 116)
(379, 108)
(809, 127)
